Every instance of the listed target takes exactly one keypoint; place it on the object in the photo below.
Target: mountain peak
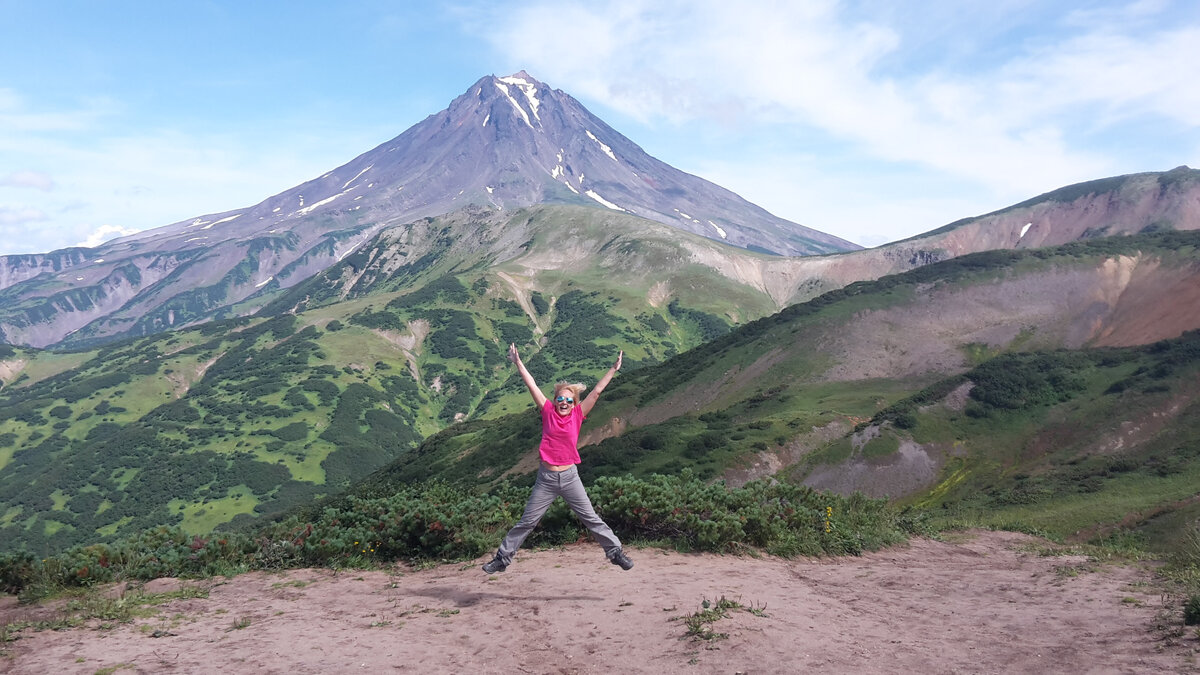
(524, 143)
(521, 77)
(504, 144)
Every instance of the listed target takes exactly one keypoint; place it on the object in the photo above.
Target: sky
(871, 120)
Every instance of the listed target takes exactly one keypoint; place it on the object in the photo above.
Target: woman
(557, 476)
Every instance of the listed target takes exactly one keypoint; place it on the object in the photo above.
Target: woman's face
(564, 400)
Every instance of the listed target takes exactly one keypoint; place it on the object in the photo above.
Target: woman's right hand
(512, 354)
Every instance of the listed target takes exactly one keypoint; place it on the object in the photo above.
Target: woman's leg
(572, 490)
(543, 495)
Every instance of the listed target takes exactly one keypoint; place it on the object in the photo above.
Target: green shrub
(1191, 610)
(296, 431)
(782, 518)
(15, 570)
(438, 521)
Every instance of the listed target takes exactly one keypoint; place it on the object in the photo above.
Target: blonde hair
(574, 387)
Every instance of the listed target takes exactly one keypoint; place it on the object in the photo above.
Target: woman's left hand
(620, 355)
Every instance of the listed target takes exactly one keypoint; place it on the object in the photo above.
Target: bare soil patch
(983, 603)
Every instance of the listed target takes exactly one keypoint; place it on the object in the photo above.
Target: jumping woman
(557, 476)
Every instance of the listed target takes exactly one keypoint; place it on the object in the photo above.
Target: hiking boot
(496, 565)
(619, 558)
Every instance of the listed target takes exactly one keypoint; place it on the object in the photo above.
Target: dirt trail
(981, 604)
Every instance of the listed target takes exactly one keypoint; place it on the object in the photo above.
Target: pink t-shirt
(560, 435)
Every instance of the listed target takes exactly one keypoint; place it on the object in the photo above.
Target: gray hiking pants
(549, 486)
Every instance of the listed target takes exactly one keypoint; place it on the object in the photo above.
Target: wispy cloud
(17, 115)
(103, 234)
(28, 179)
(1013, 122)
(20, 215)
(135, 179)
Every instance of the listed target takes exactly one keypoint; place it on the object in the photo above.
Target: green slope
(237, 419)
(768, 399)
(1078, 444)
(234, 420)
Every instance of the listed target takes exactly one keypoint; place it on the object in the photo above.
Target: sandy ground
(984, 602)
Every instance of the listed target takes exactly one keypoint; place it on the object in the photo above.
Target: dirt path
(981, 604)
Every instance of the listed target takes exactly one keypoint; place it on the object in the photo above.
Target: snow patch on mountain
(323, 202)
(602, 200)
(607, 150)
(529, 89)
(504, 89)
(360, 173)
(223, 220)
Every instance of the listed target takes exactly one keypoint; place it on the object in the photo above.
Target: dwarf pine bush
(437, 521)
(1191, 610)
(782, 518)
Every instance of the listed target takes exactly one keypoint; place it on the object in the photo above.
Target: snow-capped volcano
(510, 142)
(505, 143)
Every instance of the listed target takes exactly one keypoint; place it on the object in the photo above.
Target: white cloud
(1114, 74)
(1023, 111)
(103, 234)
(28, 179)
(17, 115)
(20, 215)
(138, 179)
(869, 212)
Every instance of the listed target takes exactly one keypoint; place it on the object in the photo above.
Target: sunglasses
(568, 399)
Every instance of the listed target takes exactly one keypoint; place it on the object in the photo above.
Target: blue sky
(867, 119)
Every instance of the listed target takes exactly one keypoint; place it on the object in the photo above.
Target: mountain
(243, 417)
(1054, 387)
(1118, 205)
(354, 339)
(400, 367)
(506, 143)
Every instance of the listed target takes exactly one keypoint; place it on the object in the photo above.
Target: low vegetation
(108, 477)
(435, 521)
(224, 424)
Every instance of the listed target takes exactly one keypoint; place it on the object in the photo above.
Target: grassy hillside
(789, 395)
(235, 419)
(1077, 444)
(227, 422)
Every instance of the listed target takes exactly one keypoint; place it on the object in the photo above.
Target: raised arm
(588, 403)
(538, 397)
